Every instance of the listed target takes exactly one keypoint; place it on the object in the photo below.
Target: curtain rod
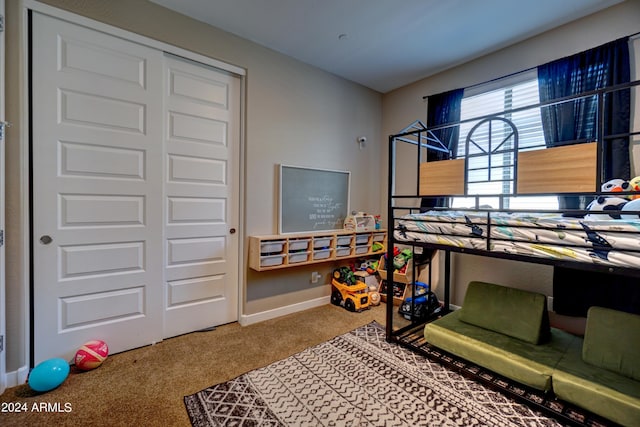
(631, 37)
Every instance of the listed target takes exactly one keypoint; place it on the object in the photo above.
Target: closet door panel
(97, 190)
(201, 202)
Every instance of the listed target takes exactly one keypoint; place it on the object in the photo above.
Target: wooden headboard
(564, 169)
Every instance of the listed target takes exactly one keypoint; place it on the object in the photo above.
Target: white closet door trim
(137, 38)
(3, 299)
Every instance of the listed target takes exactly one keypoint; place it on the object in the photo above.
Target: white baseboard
(18, 377)
(248, 319)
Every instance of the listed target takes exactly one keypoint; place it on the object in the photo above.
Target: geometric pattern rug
(357, 379)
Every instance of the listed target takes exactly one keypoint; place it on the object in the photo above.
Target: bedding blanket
(613, 242)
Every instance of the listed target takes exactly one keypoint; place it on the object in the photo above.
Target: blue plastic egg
(48, 374)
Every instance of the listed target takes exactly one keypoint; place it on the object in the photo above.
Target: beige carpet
(146, 387)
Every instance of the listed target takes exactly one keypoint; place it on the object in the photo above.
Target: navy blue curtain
(443, 108)
(576, 121)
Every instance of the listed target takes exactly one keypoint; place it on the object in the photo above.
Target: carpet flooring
(357, 379)
(146, 386)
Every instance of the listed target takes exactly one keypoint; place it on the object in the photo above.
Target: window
(491, 151)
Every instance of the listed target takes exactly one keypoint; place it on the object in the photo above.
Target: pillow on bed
(509, 311)
(612, 341)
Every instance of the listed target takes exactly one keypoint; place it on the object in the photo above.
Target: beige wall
(403, 106)
(294, 114)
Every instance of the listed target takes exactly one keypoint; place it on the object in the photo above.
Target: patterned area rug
(357, 379)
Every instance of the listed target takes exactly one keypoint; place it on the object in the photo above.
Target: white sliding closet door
(202, 114)
(97, 190)
(135, 191)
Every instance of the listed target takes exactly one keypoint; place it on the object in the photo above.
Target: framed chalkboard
(312, 199)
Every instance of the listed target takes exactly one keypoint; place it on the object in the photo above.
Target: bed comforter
(613, 242)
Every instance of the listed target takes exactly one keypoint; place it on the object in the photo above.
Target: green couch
(507, 331)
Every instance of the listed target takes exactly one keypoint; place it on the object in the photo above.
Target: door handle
(45, 240)
(232, 230)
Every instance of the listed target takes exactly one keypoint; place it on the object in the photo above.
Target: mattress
(613, 242)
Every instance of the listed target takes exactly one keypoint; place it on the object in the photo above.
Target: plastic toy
(634, 185)
(374, 296)
(377, 247)
(397, 289)
(344, 275)
(48, 374)
(348, 292)
(400, 260)
(91, 355)
(370, 266)
(425, 304)
(613, 205)
(360, 221)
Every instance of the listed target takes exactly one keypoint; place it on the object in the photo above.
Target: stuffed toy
(634, 185)
(606, 207)
(616, 186)
(633, 205)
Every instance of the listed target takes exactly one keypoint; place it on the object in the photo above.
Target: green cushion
(513, 312)
(521, 361)
(612, 341)
(599, 390)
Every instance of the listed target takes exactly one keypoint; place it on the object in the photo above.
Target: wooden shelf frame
(277, 251)
(405, 280)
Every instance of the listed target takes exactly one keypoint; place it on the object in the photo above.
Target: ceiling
(386, 44)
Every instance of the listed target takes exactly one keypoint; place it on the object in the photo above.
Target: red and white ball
(374, 295)
(91, 355)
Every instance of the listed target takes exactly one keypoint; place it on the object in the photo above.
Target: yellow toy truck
(348, 292)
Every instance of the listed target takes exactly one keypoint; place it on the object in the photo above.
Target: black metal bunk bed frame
(411, 336)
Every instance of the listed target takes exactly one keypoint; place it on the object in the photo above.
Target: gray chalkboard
(312, 199)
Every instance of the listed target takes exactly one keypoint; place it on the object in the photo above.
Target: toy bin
(344, 240)
(298, 257)
(321, 242)
(321, 254)
(362, 249)
(298, 244)
(362, 239)
(271, 260)
(343, 251)
(271, 246)
(378, 237)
